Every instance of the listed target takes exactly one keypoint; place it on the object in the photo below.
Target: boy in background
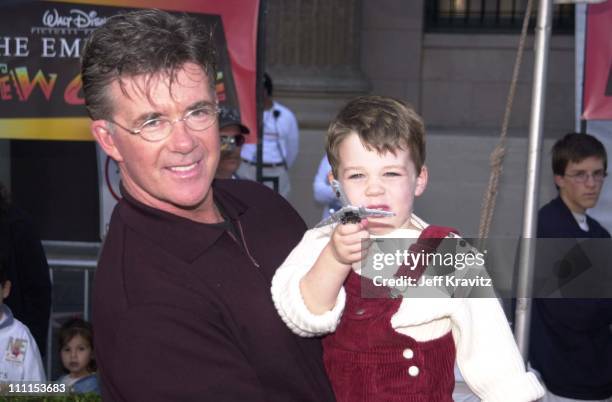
(571, 339)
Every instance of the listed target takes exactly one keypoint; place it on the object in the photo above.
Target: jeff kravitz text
(432, 281)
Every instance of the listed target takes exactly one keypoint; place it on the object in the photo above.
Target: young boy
(391, 349)
(20, 358)
(582, 372)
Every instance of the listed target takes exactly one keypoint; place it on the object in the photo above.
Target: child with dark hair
(570, 342)
(20, 359)
(575, 148)
(77, 353)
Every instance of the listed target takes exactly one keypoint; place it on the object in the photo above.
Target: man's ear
(421, 181)
(102, 133)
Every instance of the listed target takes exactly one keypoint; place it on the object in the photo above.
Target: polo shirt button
(413, 371)
(408, 353)
(360, 311)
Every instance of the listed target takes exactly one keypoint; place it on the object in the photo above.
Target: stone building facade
(323, 52)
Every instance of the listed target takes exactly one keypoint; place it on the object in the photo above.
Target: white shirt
(280, 137)
(19, 359)
(581, 221)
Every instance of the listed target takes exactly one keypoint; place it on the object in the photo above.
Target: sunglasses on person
(229, 143)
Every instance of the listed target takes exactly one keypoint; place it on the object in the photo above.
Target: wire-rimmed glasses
(158, 129)
(582, 176)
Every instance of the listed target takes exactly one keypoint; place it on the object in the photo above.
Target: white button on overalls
(408, 353)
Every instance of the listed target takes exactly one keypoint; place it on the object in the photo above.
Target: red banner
(597, 100)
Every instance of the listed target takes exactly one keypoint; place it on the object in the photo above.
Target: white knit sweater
(487, 354)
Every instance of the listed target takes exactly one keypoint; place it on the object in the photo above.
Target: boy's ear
(559, 181)
(102, 133)
(6, 289)
(421, 181)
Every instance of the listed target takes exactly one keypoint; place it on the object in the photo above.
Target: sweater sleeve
(487, 355)
(286, 292)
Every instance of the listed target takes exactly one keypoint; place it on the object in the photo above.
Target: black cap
(229, 116)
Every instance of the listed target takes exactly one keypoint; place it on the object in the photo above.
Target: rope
(497, 156)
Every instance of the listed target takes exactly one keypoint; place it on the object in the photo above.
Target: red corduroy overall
(368, 361)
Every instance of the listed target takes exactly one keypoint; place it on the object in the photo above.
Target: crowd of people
(209, 285)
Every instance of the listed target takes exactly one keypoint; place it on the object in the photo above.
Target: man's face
(384, 181)
(230, 159)
(580, 196)
(175, 173)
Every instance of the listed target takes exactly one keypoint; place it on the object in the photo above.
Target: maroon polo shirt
(182, 310)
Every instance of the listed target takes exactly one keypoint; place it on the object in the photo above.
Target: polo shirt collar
(184, 238)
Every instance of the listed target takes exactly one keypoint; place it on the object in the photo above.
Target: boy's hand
(346, 242)
(321, 284)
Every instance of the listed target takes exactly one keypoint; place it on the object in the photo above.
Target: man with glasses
(181, 305)
(232, 138)
(571, 339)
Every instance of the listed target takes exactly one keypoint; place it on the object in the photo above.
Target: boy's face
(384, 181)
(576, 192)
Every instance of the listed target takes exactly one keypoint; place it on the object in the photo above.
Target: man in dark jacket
(182, 308)
(571, 339)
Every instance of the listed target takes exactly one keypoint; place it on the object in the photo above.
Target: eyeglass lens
(198, 120)
(581, 177)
